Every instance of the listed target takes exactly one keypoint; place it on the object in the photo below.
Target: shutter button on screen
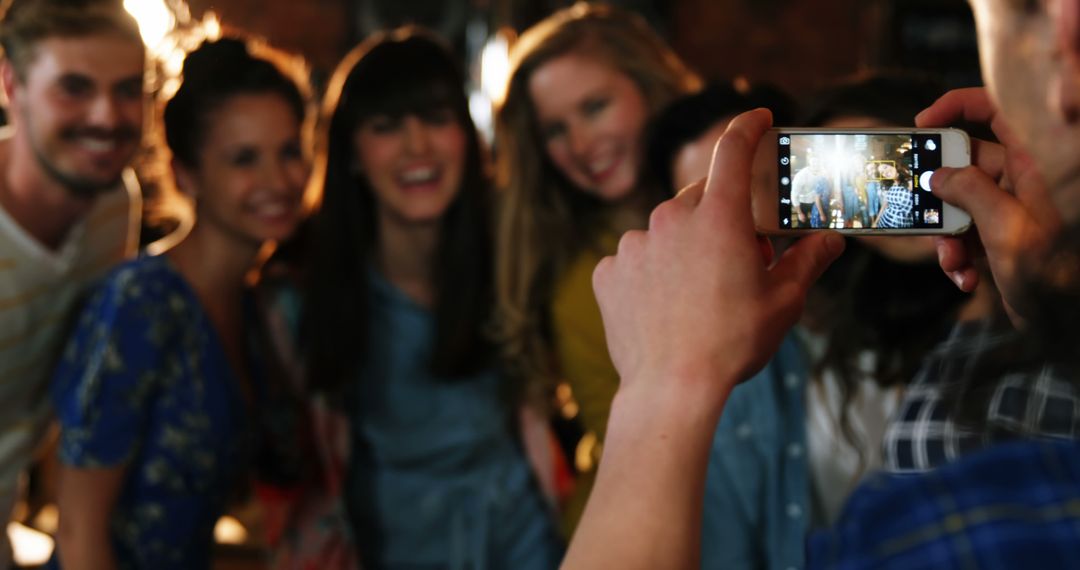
(924, 180)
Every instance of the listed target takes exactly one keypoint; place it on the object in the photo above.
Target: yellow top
(581, 348)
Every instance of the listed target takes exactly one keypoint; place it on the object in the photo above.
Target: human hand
(693, 302)
(1006, 197)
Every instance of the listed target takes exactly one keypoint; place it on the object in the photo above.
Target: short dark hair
(26, 22)
(683, 121)
(218, 70)
(691, 116)
(892, 96)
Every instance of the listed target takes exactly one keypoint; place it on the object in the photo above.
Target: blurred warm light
(492, 70)
(155, 20)
(169, 32)
(47, 519)
(228, 530)
(211, 26)
(565, 402)
(587, 453)
(29, 547)
(563, 392)
(482, 114)
(495, 65)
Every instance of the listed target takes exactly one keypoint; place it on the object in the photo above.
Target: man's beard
(81, 187)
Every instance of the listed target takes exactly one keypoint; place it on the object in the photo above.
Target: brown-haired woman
(583, 84)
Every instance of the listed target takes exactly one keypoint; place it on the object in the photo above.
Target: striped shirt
(39, 289)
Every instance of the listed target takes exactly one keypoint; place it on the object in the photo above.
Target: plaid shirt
(1015, 505)
(1029, 404)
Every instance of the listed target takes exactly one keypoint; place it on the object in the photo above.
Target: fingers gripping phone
(856, 181)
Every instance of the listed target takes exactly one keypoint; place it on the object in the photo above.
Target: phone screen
(858, 180)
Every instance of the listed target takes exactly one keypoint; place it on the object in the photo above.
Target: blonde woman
(584, 82)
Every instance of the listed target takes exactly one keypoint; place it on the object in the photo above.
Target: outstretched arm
(691, 307)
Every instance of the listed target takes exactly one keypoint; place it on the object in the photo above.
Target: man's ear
(9, 79)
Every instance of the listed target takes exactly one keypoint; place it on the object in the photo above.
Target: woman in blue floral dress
(157, 385)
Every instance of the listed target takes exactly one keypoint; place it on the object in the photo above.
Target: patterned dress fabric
(897, 213)
(145, 384)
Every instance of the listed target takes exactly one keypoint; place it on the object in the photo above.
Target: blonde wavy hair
(544, 220)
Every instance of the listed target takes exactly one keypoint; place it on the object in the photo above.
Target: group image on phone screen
(855, 181)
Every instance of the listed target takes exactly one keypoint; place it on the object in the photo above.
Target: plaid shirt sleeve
(1038, 402)
(1014, 505)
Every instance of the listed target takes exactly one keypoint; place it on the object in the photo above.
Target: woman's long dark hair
(404, 72)
(866, 302)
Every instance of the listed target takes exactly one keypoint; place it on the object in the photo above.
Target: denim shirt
(436, 479)
(757, 497)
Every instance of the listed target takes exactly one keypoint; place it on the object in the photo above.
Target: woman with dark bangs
(397, 292)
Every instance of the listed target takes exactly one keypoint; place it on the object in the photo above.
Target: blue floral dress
(145, 383)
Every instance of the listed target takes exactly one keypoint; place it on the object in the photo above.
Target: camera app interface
(858, 180)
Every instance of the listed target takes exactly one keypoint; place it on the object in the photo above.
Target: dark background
(797, 44)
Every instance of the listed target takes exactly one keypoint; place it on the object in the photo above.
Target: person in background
(811, 194)
(870, 185)
(397, 297)
(1004, 506)
(72, 76)
(752, 472)
(571, 135)
(876, 314)
(683, 135)
(896, 200)
(158, 387)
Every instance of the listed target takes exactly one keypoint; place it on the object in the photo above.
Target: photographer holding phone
(665, 289)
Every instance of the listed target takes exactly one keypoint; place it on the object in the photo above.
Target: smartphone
(856, 181)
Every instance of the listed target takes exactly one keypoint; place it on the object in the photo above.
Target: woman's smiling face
(591, 117)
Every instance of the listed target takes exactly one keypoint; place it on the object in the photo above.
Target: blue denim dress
(436, 478)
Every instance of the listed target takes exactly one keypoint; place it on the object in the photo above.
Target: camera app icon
(785, 141)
